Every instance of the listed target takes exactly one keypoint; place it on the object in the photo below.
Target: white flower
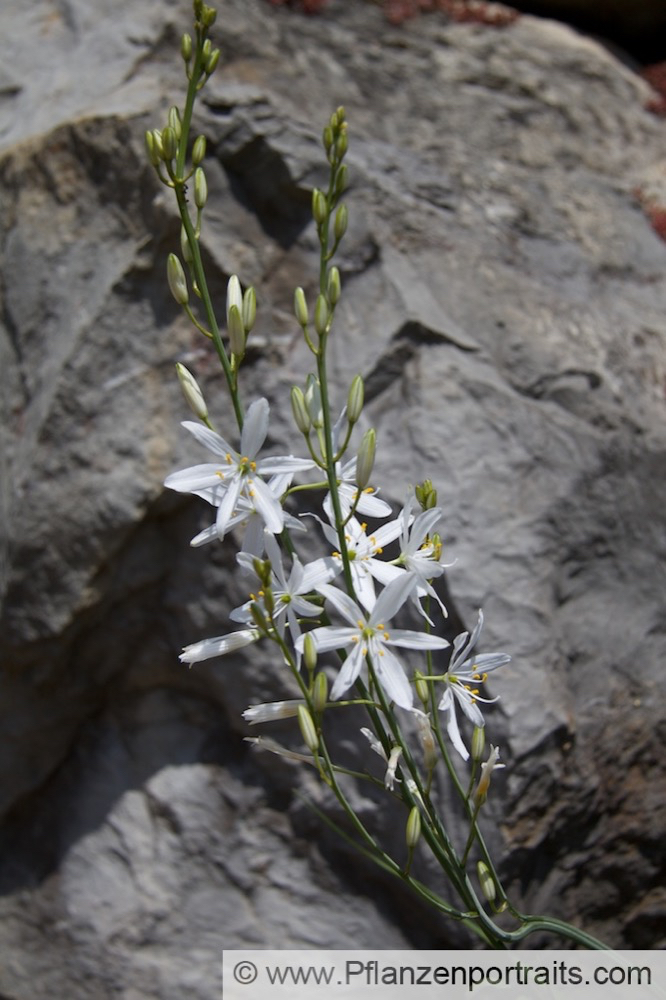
(419, 554)
(239, 475)
(370, 637)
(246, 515)
(205, 649)
(272, 710)
(462, 679)
(363, 553)
(288, 592)
(365, 502)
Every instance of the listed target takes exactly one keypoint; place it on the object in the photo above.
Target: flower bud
(478, 743)
(198, 150)
(185, 248)
(327, 138)
(355, 399)
(320, 692)
(309, 652)
(186, 47)
(308, 731)
(152, 149)
(421, 687)
(333, 287)
(486, 881)
(313, 400)
(249, 311)
(234, 295)
(342, 143)
(157, 139)
(169, 143)
(177, 280)
(206, 49)
(426, 495)
(321, 315)
(208, 15)
(341, 179)
(413, 829)
(365, 459)
(192, 392)
(174, 121)
(299, 408)
(236, 331)
(319, 206)
(258, 618)
(301, 307)
(212, 61)
(200, 188)
(340, 223)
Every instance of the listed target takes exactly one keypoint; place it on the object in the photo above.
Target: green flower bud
(258, 617)
(152, 149)
(355, 399)
(413, 829)
(299, 408)
(198, 150)
(422, 691)
(236, 331)
(426, 495)
(234, 295)
(206, 49)
(262, 568)
(486, 881)
(186, 47)
(478, 743)
(212, 61)
(321, 315)
(301, 307)
(249, 311)
(313, 399)
(320, 692)
(333, 287)
(177, 280)
(169, 143)
(200, 188)
(309, 652)
(174, 121)
(365, 459)
(185, 248)
(319, 206)
(308, 731)
(341, 180)
(342, 143)
(327, 138)
(208, 15)
(192, 392)
(157, 139)
(340, 223)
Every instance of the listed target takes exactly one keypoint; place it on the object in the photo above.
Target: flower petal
(221, 644)
(255, 428)
(392, 677)
(210, 439)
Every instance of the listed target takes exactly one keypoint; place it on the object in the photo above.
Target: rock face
(504, 298)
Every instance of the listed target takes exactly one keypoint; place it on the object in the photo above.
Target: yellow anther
(228, 458)
(219, 473)
(364, 526)
(386, 635)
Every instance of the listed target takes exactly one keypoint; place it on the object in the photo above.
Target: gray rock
(504, 299)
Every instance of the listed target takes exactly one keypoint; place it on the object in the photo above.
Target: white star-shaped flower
(239, 476)
(462, 679)
(289, 592)
(370, 637)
